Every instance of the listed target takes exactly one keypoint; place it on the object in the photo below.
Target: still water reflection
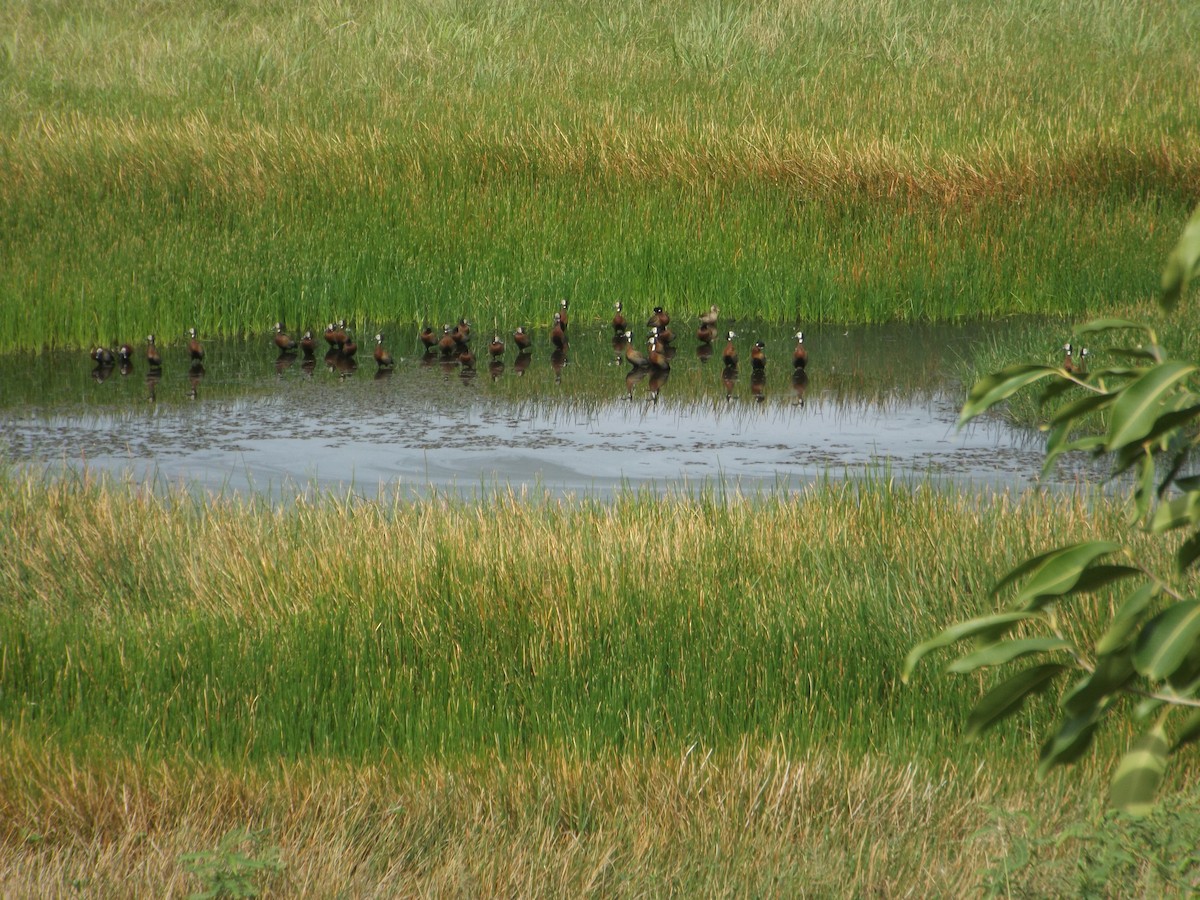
(579, 421)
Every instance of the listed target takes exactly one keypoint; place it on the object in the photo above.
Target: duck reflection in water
(758, 385)
(196, 374)
(658, 379)
(799, 385)
(632, 378)
(521, 363)
(496, 369)
(153, 377)
(558, 361)
(729, 377)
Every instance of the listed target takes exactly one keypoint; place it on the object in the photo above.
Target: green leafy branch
(1150, 650)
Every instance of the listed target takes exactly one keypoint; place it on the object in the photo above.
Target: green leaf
(1009, 695)
(1060, 571)
(957, 632)
(1097, 326)
(1069, 740)
(1182, 264)
(1189, 732)
(998, 654)
(1188, 553)
(1140, 773)
(1110, 674)
(1077, 409)
(1119, 631)
(1134, 413)
(1167, 639)
(1096, 577)
(991, 389)
(1176, 513)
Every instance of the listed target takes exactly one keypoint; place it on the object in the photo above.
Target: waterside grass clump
(227, 167)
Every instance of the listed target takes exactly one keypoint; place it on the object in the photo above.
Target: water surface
(871, 399)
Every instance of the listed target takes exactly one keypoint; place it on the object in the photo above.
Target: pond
(872, 399)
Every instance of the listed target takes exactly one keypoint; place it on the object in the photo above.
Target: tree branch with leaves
(1149, 652)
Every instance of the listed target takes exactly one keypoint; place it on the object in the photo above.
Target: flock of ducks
(452, 345)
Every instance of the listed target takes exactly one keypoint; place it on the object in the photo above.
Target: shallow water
(872, 400)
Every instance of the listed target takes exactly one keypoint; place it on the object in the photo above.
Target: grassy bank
(226, 167)
(463, 688)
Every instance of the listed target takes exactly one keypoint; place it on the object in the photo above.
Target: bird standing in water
(800, 354)
(383, 359)
(195, 350)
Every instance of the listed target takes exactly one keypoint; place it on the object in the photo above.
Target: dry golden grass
(755, 821)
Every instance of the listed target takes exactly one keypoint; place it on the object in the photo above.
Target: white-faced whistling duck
(383, 359)
(195, 350)
(464, 329)
(153, 358)
(658, 358)
(522, 339)
(730, 355)
(633, 357)
(284, 342)
(447, 342)
(1081, 366)
(1068, 363)
(335, 335)
(309, 345)
(758, 356)
(705, 333)
(665, 335)
(800, 354)
(562, 313)
(103, 357)
(125, 354)
(710, 318)
(496, 347)
(428, 337)
(618, 321)
(348, 348)
(659, 317)
(558, 334)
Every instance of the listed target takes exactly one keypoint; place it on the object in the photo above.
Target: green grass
(226, 166)
(431, 695)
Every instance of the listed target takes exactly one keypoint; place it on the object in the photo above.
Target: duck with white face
(800, 354)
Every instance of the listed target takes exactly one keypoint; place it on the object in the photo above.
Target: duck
(658, 356)
(428, 337)
(558, 334)
(284, 341)
(562, 313)
(103, 357)
(619, 323)
(496, 347)
(308, 344)
(1081, 366)
(758, 356)
(659, 317)
(348, 348)
(153, 358)
(1068, 363)
(730, 355)
(800, 354)
(464, 329)
(195, 350)
(335, 335)
(710, 318)
(663, 335)
(125, 355)
(448, 342)
(522, 339)
(705, 333)
(632, 356)
(383, 359)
